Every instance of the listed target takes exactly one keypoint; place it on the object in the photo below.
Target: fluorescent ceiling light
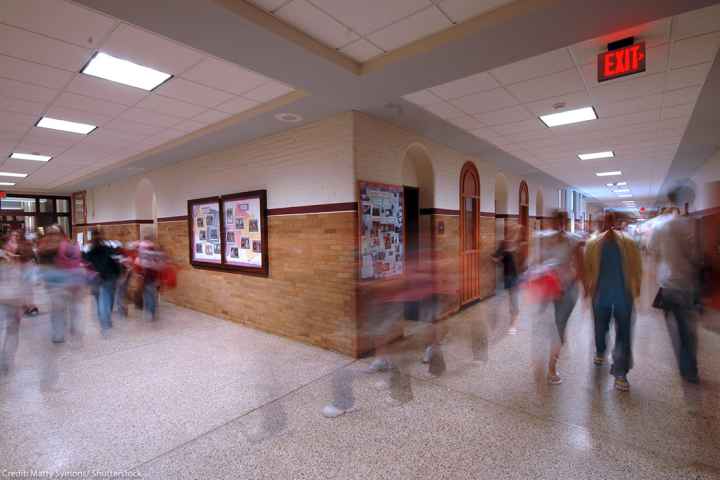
(30, 156)
(123, 71)
(621, 184)
(622, 190)
(596, 155)
(609, 174)
(10, 174)
(627, 195)
(7, 184)
(65, 126)
(571, 116)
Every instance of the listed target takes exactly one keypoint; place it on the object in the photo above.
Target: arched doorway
(469, 234)
(524, 220)
(146, 209)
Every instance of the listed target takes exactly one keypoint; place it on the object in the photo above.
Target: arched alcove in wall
(417, 171)
(146, 208)
(501, 194)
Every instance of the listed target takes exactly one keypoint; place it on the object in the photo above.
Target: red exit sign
(621, 62)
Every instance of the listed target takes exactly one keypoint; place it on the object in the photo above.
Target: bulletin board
(229, 232)
(382, 230)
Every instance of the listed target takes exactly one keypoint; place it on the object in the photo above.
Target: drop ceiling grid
(154, 115)
(533, 142)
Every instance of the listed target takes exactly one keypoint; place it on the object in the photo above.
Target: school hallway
(193, 396)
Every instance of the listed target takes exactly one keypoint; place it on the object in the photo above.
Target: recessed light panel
(571, 116)
(65, 126)
(609, 174)
(622, 190)
(7, 184)
(596, 155)
(123, 71)
(621, 184)
(11, 174)
(30, 156)
(627, 195)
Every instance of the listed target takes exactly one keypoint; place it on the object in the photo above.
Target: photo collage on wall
(243, 232)
(206, 237)
(382, 251)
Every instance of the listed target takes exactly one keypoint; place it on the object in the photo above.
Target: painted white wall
(707, 194)
(308, 165)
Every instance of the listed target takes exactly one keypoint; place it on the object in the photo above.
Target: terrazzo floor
(195, 397)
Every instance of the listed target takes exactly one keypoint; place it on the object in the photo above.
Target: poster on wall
(244, 228)
(382, 248)
(204, 218)
(229, 232)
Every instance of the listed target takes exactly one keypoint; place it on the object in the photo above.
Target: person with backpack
(101, 259)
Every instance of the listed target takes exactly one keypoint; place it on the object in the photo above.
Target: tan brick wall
(126, 232)
(309, 294)
(487, 266)
(447, 255)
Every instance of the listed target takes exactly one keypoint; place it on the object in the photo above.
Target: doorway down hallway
(193, 396)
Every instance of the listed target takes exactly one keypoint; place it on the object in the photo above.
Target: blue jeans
(683, 334)
(150, 298)
(622, 353)
(105, 300)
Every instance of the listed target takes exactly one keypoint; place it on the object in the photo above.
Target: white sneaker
(331, 411)
(379, 365)
(427, 355)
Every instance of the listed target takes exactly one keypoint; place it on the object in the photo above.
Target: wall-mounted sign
(621, 61)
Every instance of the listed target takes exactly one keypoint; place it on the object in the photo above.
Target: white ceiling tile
(636, 87)
(148, 117)
(553, 85)
(37, 48)
(459, 88)
(73, 115)
(655, 62)
(632, 105)
(461, 10)
(466, 122)
(191, 92)
(237, 105)
(268, 5)
(530, 125)
(225, 76)
(16, 122)
(423, 97)
(538, 66)
(677, 111)
(21, 166)
(569, 102)
(267, 92)
(529, 135)
(506, 115)
(21, 106)
(487, 134)
(653, 34)
(361, 50)
(189, 126)
(694, 50)
(211, 116)
(696, 22)
(112, 138)
(486, 101)
(367, 17)
(316, 23)
(682, 96)
(444, 110)
(150, 50)
(58, 19)
(106, 90)
(89, 104)
(170, 106)
(29, 72)
(10, 137)
(132, 127)
(415, 27)
(43, 136)
(687, 76)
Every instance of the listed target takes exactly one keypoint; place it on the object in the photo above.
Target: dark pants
(683, 333)
(622, 353)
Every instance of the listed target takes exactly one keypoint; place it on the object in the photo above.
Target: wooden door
(524, 220)
(469, 234)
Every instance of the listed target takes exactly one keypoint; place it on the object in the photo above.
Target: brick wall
(447, 254)
(309, 294)
(124, 232)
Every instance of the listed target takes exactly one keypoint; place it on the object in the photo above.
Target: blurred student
(101, 258)
(506, 255)
(152, 262)
(613, 275)
(11, 301)
(677, 253)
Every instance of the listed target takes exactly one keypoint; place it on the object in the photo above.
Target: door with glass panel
(469, 234)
